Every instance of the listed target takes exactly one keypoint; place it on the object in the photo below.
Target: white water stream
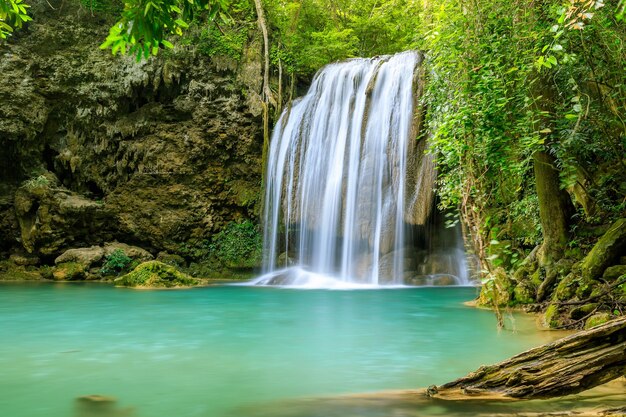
(340, 198)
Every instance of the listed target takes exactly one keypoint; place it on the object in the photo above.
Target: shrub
(115, 262)
(238, 245)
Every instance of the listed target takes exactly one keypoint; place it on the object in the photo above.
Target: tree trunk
(567, 366)
(267, 93)
(554, 208)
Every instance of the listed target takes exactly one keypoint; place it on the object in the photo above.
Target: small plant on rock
(115, 262)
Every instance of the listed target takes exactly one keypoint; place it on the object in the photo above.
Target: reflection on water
(235, 351)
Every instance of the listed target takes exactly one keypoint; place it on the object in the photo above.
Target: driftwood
(567, 366)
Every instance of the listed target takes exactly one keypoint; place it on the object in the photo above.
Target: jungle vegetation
(526, 100)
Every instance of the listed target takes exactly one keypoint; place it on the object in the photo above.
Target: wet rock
(614, 272)
(155, 274)
(444, 280)
(100, 406)
(84, 256)
(285, 260)
(606, 251)
(69, 271)
(417, 280)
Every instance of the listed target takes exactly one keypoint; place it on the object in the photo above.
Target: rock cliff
(96, 148)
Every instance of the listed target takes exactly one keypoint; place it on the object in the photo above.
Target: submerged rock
(100, 406)
(155, 274)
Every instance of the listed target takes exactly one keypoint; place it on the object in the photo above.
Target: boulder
(51, 217)
(69, 271)
(597, 319)
(84, 256)
(444, 280)
(133, 252)
(155, 274)
(607, 251)
(614, 272)
(285, 260)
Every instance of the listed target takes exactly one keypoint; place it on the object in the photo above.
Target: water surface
(218, 351)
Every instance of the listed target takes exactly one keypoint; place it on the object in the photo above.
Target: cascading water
(347, 183)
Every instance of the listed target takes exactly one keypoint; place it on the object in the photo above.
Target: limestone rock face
(51, 217)
(156, 152)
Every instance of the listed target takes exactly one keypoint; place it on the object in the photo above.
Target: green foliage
(507, 80)
(145, 24)
(102, 6)
(307, 35)
(238, 245)
(115, 263)
(13, 15)
(37, 182)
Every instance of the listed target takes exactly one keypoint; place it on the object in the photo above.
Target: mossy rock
(578, 313)
(155, 274)
(552, 317)
(597, 319)
(9, 271)
(500, 287)
(69, 271)
(606, 251)
(566, 289)
(612, 273)
(524, 293)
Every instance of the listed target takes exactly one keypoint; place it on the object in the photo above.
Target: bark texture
(567, 366)
(555, 208)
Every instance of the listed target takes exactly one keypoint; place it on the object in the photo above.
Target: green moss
(155, 274)
(68, 271)
(524, 294)
(597, 319)
(551, 316)
(566, 289)
(11, 272)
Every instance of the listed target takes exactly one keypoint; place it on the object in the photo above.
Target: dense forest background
(526, 105)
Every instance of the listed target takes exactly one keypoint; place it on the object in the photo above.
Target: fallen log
(567, 366)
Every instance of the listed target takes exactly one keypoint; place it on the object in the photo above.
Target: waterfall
(347, 183)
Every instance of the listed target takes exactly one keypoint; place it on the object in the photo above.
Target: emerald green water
(219, 351)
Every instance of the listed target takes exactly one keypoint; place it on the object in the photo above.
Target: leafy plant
(238, 245)
(13, 15)
(115, 263)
